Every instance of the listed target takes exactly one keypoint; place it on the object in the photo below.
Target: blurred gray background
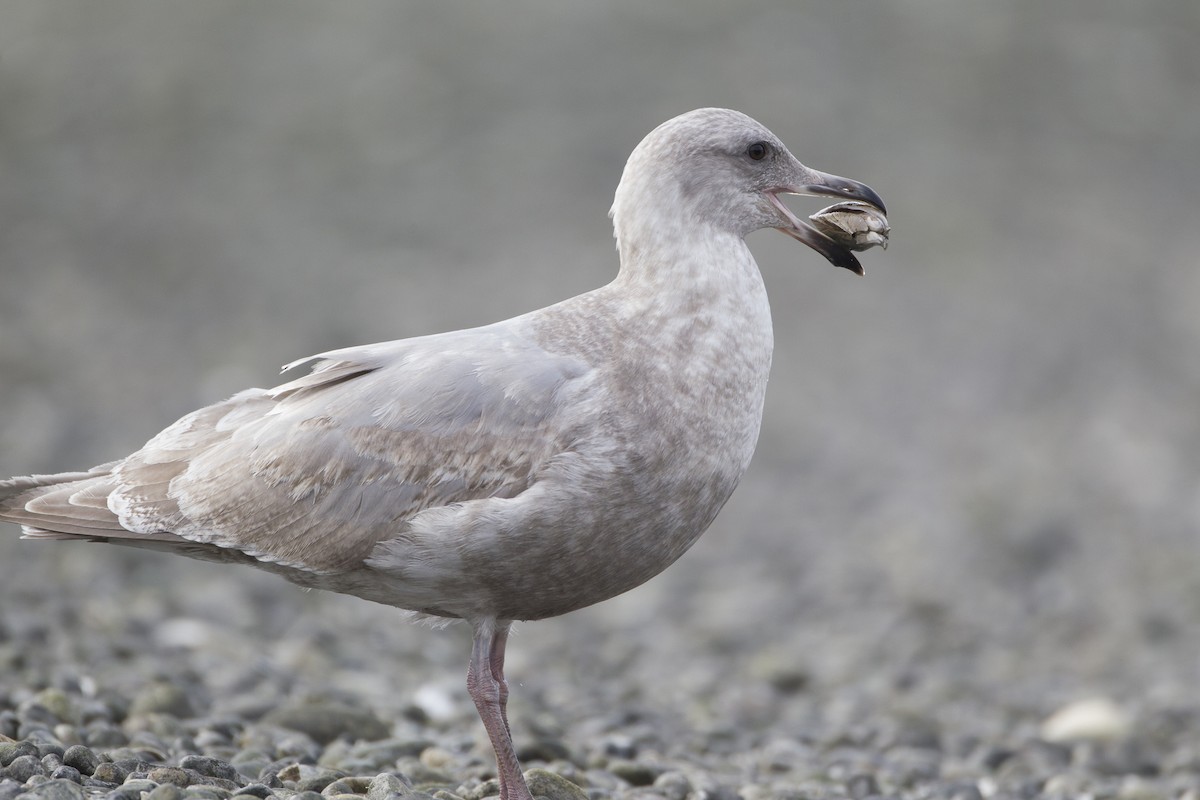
(983, 458)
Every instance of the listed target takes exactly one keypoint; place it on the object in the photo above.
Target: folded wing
(347, 453)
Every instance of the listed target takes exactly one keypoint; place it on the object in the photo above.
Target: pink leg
(487, 687)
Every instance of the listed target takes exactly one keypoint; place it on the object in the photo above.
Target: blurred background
(980, 462)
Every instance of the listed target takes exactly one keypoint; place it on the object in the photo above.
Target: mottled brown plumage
(515, 471)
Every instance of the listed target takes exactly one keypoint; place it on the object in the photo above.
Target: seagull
(514, 471)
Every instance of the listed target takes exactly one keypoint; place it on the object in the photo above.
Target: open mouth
(831, 185)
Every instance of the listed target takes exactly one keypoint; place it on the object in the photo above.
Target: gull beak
(820, 183)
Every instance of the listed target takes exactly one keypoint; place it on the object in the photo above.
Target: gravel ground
(131, 675)
(965, 562)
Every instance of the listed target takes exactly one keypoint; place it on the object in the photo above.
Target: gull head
(720, 168)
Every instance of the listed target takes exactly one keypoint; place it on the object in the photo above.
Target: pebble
(804, 726)
(543, 783)
(386, 784)
(210, 767)
(673, 785)
(174, 775)
(326, 720)
(57, 790)
(109, 772)
(166, 791)
(162, 697)
(634, 773)
(1094, 719)
(22, 768)
(67, 773)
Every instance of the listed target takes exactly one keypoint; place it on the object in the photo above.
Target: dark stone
(212, 767)
(22, 768)
(996, 756)
(10, 723)
(326, 720)
(50, 749)
(67, 774)
(124, 794)
(317, 782)
(12, 750)
(57, 790)
(862, 786)
(634, 773)
(9, 789)
(81, 758)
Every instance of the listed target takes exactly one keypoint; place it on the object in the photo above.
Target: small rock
(673, 785)
(67, 774)
(136, 784)
(489, 788)
(620, 746)
(23, 767)
(9, 789)
(56, 790)
(544, 783)
(962, 791)
(249, 762)
(162, 698)
(10, 723)
(326, 720)
(385, 753)
(335, 789)
(1094, 719)
(173, 775)
(862, 785)
(212, 767)
(544, 748)
(789, 679)
(254, 790)
(67, 734)
(105, 734)
(133, 767)
(436, 757)
(123, 794)
(109, 772)
(165, 791)
(207, 792)
(270, 779)
(315, 783)
(12, 750)
(57, 703)
(384, 785)
(1135, 788)
(50, 749)
(634, 773)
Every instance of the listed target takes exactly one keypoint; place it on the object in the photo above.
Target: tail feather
(60, 506)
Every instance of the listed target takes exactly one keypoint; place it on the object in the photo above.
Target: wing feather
(345, 454)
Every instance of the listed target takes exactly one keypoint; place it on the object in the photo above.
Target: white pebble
(1096, 718)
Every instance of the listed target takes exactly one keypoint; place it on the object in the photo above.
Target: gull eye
(757, 151)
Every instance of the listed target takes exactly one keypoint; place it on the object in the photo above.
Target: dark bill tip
(834, 253)
(835, 186)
